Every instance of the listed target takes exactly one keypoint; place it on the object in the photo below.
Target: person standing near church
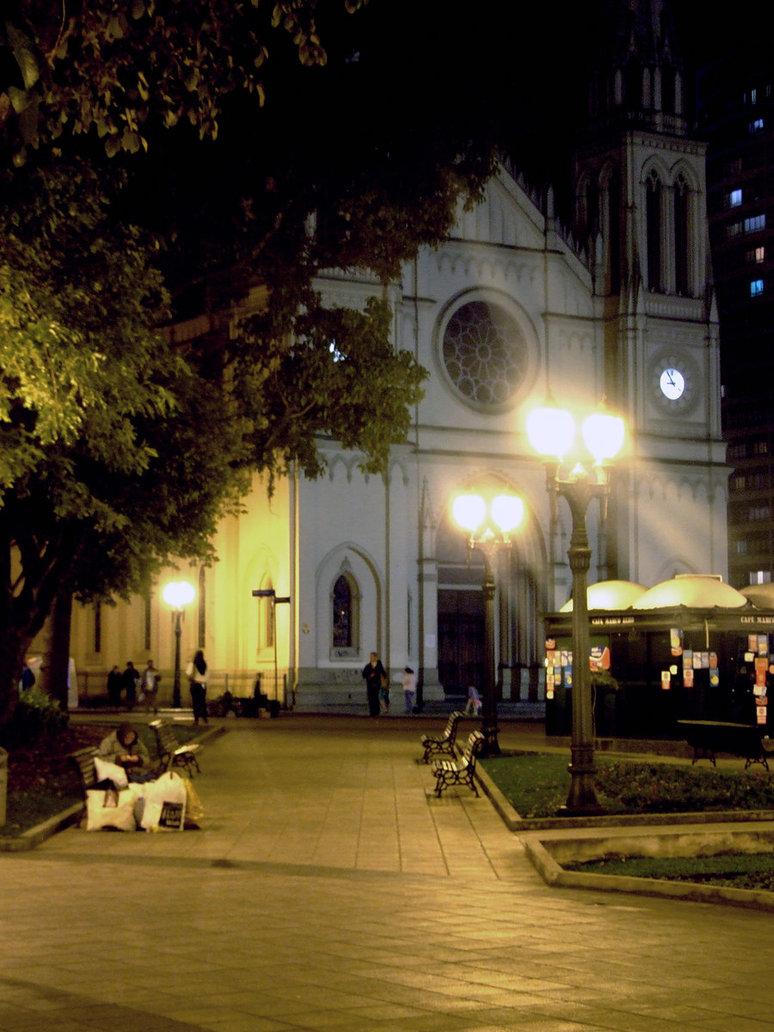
(130, 680)
(197, 682)
(150, 687)
(373, 672)
(408, 680)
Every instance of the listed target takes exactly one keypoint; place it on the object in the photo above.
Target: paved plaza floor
(328, 890)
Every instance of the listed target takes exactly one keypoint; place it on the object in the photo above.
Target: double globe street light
(177, 595)
(489, 523)
(552, 432)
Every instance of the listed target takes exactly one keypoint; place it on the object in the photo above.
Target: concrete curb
(32, 837)
(553, 874)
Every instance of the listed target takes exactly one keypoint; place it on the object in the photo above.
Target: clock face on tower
(672, 383)
(673, 378)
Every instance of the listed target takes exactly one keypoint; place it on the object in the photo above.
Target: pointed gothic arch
(654, 231)
(345, 610)
(360, 589)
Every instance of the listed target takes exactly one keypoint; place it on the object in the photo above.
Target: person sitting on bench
(123, 747)
(474, 702)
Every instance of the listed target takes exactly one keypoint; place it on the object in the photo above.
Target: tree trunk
(56, 655)
(13, 649)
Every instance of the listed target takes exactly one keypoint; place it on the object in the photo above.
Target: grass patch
(536, 784)
(737, 870)
(41, 782)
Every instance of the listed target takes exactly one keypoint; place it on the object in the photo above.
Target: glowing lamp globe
(551, 430)
(178, 594)
(507, 512)
(469, 511)
(603, 435)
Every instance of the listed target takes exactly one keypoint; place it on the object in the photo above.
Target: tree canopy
(166, 161)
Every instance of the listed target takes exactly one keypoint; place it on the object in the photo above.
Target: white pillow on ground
(110, 771)
(120, 816)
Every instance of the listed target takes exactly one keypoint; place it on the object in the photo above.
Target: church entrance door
(460, 640)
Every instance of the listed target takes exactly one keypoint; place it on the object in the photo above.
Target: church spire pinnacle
(639, 82)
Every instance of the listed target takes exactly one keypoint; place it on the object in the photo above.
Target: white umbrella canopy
(693, 590)
(761, 595)
(609, 594)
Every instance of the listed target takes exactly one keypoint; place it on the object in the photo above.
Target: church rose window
(484, 353)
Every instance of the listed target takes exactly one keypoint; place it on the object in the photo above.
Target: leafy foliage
(118, 69)
(666, 788)
(230, 191)
(37, 716)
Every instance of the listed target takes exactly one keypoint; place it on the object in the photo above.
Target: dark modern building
(736, 116)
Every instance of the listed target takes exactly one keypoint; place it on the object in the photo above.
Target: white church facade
(507, 311)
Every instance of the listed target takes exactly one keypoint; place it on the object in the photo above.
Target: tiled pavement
(328, 891)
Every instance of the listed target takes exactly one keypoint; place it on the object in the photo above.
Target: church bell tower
(640, 203)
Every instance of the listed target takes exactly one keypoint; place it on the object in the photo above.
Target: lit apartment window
(754, 223)
(756, 125)
(741, 548)
(760, 576)
(756, 287)
(756, 256)
(738, 483)
(759, 512)
(735, 198)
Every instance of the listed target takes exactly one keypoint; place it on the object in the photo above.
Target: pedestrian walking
(150, 687)
(408, 680)
(197, 682)
(373, 672)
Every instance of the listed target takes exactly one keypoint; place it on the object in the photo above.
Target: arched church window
(681, 225)
(653, 224)
(484, 353)
(633, 87)
(614, 230)
(589, 208)
(668, 90)
(343, 614)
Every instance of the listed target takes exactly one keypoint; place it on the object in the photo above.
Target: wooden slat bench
(83, 761)
(171, 753)
(446, 742)
(708, 737)
(462, 771)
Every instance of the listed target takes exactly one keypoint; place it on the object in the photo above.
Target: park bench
(83, 762)
(708, 737)
(459, 772)
(446, 742)
(170, 752)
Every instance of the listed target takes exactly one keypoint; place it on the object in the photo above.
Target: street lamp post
(552, 433)
(489, 526)
(177, 595)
